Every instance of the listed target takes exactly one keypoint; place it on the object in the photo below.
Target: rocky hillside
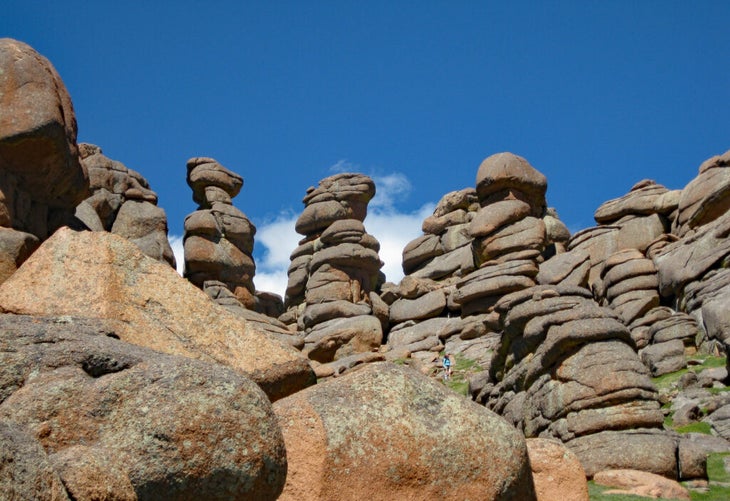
(598, 355)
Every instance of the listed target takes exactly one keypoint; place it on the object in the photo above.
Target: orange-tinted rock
(101, 275)
(641, 483)
(387, 432)
(38, 129)
(556, 471)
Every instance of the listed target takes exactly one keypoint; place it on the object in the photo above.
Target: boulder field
(122, 380)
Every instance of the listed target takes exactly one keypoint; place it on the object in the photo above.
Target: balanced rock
(219, 238)
(506, 176)
(335, 275)
(103, 276)
(117, 421)
(342, 196)
(379, 432)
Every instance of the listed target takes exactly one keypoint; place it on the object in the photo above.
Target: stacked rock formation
(443, 250)
(508, 232)
(219, 238)
(123, 203)
(478, 245)
(335, 274)
(550, 380)
(422, 314)
(694, 265)
(633, 221)
(41, 178)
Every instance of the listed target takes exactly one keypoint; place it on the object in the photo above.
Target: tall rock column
(508, 233)
(218, 238)
(335, 274)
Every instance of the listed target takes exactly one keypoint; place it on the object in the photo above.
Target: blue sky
(596, 95)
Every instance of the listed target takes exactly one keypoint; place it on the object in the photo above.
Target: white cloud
(343, 165)
(389, 189)
(394, 230)
(276, 239)
(176, 242)
(279, 240)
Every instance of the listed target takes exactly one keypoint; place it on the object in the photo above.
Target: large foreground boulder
(117, 421)
(387, 432)
(103, 276)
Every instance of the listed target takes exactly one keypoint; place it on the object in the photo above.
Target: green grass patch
(709, 362)
(715, 493)
(596, 493)
(716, 468)
(466, 364)
(699, 427)
(668, 381)
(461, 370)
(461, 387)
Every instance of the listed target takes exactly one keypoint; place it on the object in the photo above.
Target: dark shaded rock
(25, 470)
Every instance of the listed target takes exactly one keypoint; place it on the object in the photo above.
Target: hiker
(447, 366)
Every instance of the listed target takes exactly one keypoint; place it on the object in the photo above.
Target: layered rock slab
(118, 421)
(380, 432)
(549, 375)
(103, 276)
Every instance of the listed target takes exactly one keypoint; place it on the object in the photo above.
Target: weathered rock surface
(37, 134)
(219, 238)
(641, 483)
(707, 196)
(379, 432)
(25, 470)
(122, 203)
(117, 421)
(556, 471)
(41, 178)
(103, 276)
(334, 277)
(549, 379)
(506, 176)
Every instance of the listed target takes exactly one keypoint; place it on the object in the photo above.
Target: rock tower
(335, 274)
(219, 238)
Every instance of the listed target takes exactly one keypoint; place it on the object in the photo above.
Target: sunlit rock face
(41, 177)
